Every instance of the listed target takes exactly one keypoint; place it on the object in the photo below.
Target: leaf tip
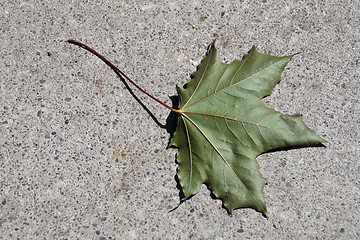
(212, 46)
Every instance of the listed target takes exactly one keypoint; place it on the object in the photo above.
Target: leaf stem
(119, 71)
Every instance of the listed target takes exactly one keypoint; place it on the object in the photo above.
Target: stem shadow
(138, 100)
(171, 120)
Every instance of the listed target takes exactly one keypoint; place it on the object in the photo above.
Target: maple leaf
(223, 126)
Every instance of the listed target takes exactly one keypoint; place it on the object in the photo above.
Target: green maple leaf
(223, 126)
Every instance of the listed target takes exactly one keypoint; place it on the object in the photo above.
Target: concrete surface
(81, 159)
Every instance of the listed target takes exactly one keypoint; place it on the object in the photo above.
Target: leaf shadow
(292, 148)
(171, 120)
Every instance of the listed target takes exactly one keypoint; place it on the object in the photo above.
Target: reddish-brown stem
(119, 71)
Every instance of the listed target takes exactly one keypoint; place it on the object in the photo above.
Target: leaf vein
(228, 127)
(222, 75)
(200, 80)
(190, 152)
(241, 65)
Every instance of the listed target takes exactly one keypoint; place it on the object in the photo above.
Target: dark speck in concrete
(240, 230)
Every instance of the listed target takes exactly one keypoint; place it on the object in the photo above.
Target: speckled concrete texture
(82, 159)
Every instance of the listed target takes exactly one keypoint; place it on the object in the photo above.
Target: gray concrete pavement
(81, 159)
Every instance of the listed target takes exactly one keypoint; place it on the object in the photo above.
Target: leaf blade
(228, 126)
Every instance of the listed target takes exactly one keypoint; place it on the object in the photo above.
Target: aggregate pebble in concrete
(82, 159)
